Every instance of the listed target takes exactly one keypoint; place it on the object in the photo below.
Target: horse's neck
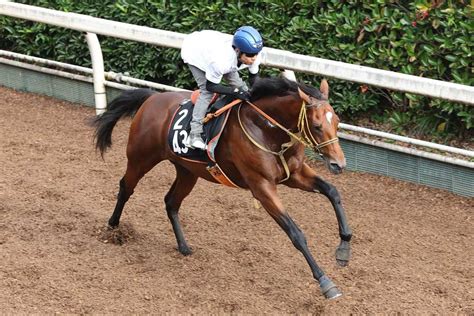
(284, 110)
(281, 112)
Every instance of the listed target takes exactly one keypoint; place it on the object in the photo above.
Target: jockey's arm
(239, 93)
(218, 88)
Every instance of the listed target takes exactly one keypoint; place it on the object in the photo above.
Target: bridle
(302, 135)
(304, 128)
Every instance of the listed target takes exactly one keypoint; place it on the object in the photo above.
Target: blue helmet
(248, 40)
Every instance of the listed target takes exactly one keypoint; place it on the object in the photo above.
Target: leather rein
(303, 135)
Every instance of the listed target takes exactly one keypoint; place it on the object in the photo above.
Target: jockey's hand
(241, 94)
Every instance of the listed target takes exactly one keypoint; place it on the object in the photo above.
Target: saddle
(214, 124)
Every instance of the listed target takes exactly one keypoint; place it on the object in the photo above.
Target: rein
(303, 135)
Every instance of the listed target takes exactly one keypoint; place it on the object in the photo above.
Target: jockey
(211, 56)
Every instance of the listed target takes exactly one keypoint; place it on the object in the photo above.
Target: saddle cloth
(179, 130)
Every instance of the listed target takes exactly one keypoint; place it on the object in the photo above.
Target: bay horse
(262, 145)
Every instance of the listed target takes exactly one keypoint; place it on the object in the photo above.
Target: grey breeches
(202, 103)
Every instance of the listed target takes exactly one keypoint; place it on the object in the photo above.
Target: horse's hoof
(333, 293)
(343, 253)
(185, 251)
(111, 227)
(328, 288)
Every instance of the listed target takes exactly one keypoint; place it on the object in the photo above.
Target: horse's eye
(318, 126)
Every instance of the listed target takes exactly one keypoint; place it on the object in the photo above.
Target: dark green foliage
(432, 39)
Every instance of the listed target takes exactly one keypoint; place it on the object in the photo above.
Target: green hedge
(424, 38)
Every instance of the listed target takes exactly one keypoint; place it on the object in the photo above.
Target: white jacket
(212, 52)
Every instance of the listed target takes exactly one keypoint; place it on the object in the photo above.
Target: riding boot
(195, 141)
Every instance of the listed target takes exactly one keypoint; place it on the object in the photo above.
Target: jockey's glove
(241, 94)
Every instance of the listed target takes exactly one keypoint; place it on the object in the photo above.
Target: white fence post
(98, 73)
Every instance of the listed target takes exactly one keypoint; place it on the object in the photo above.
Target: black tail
(124, 105)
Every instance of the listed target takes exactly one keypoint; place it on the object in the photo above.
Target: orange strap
(220, 176)
(210, 116)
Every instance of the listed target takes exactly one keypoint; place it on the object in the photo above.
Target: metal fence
(360, 157)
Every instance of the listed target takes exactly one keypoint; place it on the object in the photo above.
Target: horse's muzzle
(335, 168)
(335, 165)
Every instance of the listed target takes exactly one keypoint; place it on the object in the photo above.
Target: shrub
(419, 38)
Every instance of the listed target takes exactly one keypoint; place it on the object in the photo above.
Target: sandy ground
(412, 245)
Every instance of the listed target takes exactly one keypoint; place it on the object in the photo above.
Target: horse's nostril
(336, 168)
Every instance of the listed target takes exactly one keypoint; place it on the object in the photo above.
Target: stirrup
(198, 144)
(195, 142)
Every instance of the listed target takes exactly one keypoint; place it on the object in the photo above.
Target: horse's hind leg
(127, 186)
(122, 198)
(182, 186)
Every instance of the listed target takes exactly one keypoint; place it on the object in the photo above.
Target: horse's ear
(304, 96)
(324, 88)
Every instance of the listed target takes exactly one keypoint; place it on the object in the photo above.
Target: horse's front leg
(307, 180)
(266, 193)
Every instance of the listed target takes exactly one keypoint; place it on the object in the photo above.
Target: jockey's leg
(200, 109)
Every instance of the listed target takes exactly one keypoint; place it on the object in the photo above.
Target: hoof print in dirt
(118, 235)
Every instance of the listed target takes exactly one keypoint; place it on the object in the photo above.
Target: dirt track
(412, 245)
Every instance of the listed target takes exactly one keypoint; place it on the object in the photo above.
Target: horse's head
(319, 124)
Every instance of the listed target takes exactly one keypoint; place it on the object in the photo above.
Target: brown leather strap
(210, 116)
(220, 176)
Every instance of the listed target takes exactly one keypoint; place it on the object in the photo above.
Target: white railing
(271, 57)
(84, 74)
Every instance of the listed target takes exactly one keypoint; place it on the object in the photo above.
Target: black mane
(276, 86)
